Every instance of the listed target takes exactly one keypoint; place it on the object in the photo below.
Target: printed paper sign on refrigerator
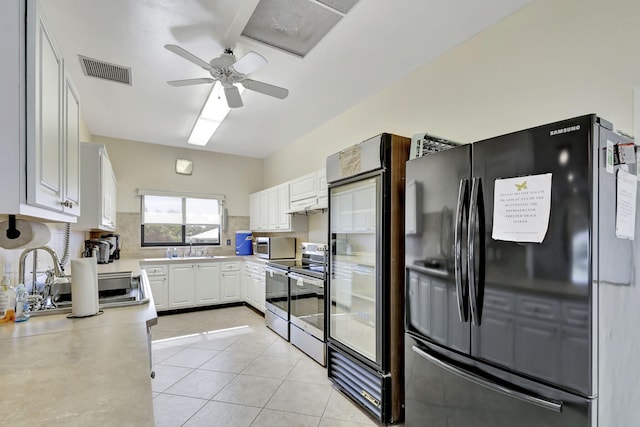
(521, 208)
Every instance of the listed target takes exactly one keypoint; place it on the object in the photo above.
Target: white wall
(319, 228)
(140, 165)
(552, 60)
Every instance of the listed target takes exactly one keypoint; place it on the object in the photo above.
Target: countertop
(78, 372)
(187, 259)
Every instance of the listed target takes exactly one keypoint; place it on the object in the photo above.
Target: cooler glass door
(355, 218)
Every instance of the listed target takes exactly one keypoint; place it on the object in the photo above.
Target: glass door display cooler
(366, 273)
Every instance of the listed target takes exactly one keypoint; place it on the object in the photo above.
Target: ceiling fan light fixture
(213, 112)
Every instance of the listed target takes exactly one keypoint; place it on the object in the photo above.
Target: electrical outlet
(228, 242)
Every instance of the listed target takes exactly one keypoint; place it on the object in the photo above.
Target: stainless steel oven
(306, 309)
(277, 300)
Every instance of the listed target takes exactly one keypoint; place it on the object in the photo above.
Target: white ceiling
(376, 44)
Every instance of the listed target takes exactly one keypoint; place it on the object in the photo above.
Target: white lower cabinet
(187, 285)
(182, 285)
(230, 286)
(207, 283)
(159, 284)
(230, 282)
(254, 284)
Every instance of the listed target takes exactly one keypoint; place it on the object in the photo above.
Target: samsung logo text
(564, 130)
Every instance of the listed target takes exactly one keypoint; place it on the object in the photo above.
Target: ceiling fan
(228, 71)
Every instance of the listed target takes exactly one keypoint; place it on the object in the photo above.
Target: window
(180, 220)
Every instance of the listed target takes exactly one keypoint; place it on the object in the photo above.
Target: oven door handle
(275, 271)
(313, 281)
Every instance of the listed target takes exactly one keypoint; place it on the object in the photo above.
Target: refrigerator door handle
(476, 283)
(462, 289)
(534, 400)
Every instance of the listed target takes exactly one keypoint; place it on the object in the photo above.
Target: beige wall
(550, 61)
(85, 135)
(150, 166)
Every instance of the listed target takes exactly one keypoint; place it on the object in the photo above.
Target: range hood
(313, 205)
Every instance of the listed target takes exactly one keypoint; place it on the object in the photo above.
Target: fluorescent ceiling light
(213, 112)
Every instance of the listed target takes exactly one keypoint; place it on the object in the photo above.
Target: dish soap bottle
(7, 298)
(22, 303)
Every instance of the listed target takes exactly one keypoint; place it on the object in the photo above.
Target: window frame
(184, 224)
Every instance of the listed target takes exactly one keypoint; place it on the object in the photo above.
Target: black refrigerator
(513, 246)
(365, 281)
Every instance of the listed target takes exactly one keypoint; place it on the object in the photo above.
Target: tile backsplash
(128, 226)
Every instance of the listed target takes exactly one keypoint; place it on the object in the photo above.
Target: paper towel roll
(32, 234)
(84, 287)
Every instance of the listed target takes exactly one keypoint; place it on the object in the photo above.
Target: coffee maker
(114, 251)
(97, 248)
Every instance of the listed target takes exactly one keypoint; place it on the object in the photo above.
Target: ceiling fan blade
(233, 96)
(189, 82)
(266, 88)
(188, 56)
(249, 63)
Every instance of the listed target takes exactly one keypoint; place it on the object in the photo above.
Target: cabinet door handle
(67, 204)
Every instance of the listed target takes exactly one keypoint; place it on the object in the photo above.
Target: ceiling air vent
(105, 70)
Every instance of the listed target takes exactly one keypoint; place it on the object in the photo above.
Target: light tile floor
(224, 367)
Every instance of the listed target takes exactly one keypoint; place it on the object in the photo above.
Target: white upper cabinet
(269, 211)
(284, 219)
(322, 187)
(98, 188)
(263, 223)
(309, 192)
(303, 187)
(254, 211)
(72, 147)
(273, 208)
(40, 119)
(108, 189)
(45, 163)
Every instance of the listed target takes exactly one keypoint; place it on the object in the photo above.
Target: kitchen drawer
(155, 270)
(230, 266)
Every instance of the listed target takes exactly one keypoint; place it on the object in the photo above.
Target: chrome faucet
(58, 269)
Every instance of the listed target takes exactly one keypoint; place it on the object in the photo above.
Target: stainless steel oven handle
(275, 271)
(547, 404)
(313, 281)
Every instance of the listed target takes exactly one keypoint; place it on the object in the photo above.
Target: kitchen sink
(133, 295)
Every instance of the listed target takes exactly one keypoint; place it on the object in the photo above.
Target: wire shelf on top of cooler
(423, 144)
